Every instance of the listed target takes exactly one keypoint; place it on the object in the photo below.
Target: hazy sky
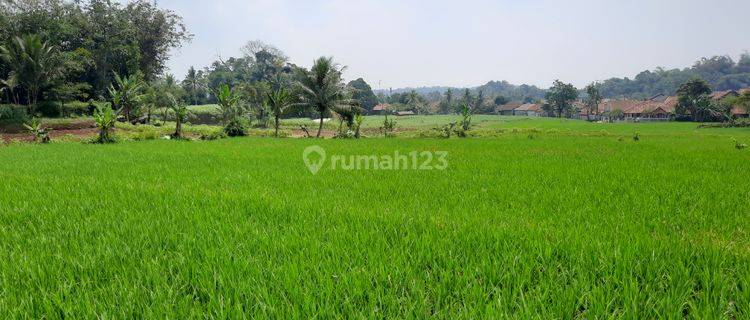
(392, 43)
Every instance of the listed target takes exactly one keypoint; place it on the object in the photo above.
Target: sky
(392, 43)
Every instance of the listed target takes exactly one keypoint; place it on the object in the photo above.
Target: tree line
(56, 50)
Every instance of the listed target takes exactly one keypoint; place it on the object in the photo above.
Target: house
(632, 110)
(381, 108)
(507, 109)
(670, 105)
(736, 111)
(659, 97)
(721, 95)
(608, 108)
(404, 113)
(648, 111)
(529, 110)
(739, 112)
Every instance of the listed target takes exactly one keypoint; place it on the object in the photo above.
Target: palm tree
(192, 81)
(413, 101)
(279, 101)
(10, 85)
(127, 93)
(322, 89)
(31, 61)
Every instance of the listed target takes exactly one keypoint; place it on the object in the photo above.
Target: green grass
(558, 226)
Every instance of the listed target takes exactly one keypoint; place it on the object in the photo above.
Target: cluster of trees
(451, 101)
(720, 72)
(262, 69)
(57, 50)
(695, 103)
(446, 100)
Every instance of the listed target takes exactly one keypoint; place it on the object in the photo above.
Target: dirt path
(56, 134)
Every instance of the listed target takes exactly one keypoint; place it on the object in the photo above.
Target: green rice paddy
(568, 220)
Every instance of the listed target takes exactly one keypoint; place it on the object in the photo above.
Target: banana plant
(228, 102)
(181, 114)
(358, 122)
(105, 119)
(127, 93)
(40, 133)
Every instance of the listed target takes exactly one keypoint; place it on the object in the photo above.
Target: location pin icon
(313, 163)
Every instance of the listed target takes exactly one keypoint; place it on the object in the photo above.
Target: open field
(556, 219)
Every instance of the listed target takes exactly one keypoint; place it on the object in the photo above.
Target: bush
(48, 109)
(736, 123)
(213, 135)
(76, 109)
(237, 127)
(147, 134)
(11, 113)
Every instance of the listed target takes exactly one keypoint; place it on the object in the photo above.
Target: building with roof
(507, 109)
(404, 113)
(381, 108)
(529, 110)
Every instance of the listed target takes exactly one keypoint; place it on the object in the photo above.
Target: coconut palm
(127, 93)
(32, 63)
(322, 89)
(413, 101)
(193, 83)
(9, 85)
(279, 102)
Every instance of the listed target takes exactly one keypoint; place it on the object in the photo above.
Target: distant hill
(721, 72)
(490, 89)
(421, 90)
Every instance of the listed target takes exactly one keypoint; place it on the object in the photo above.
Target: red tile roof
(647, 107)
(738, 110)
(381, 107)
(529, 107)
(720, 95)
(509, 106)
(624, 104)
(670, 105)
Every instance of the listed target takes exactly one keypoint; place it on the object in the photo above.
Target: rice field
(576, 220)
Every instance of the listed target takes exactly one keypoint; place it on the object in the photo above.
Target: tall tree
(191, 84)
(560, 97)
(157, 31)
(414, 101)
(500, 100)
(593, 98)
(467, 99)
(480, 103)
(692, 95)
(321, 89)
(362, 93)
(447, 104)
